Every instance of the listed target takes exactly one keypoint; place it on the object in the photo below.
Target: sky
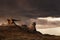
(30, 8)
(51, 31)
(47, 22)
(48, 25)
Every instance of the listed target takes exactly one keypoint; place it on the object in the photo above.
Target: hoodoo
(11, 21)
(32, 27)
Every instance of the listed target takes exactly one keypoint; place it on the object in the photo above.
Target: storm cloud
(30, 8)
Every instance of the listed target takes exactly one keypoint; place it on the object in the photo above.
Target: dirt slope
(17, 33)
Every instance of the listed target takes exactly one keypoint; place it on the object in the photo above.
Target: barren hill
(18, 33)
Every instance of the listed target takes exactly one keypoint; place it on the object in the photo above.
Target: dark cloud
(30, 8)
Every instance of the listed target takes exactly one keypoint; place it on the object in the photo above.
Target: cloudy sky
(48, 25)
(30, 8)
(25, 9)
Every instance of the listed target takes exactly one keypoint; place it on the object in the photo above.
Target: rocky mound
(18, 33)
